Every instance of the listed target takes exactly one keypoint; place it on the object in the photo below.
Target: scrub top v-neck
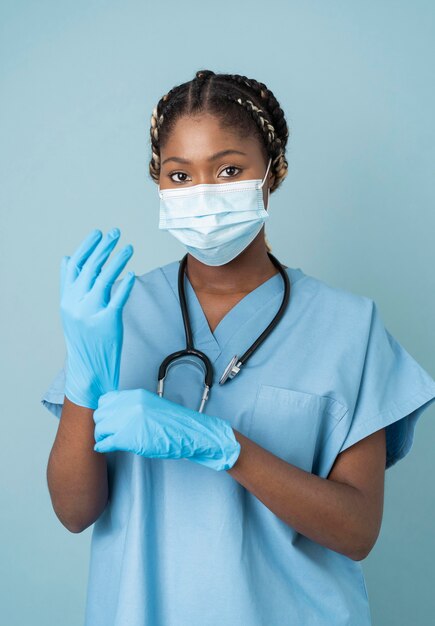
(180, 544)
(213, 342)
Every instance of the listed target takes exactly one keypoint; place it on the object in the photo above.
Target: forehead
(197, 136)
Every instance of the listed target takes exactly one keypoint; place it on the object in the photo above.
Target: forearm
(76, 474)
(328, 512)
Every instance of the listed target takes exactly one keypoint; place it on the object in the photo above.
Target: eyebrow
(217, 155)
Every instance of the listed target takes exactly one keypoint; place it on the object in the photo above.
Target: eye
(181, 177)
(230, 171)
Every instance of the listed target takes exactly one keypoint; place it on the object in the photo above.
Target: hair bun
(204, 74)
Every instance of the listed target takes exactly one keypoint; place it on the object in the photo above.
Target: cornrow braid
(270, 103)
(240, 102)
(273, 142)
(156, 123)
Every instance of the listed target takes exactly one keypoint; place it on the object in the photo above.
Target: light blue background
(78, 83)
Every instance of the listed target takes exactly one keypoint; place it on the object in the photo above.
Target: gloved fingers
(104, 402)
(63, 270)
(132, 444)
(103, 428)
(122, 292)
(93, 264)
(108, 421)
(80, 255)
(106, 445)
(108, 275)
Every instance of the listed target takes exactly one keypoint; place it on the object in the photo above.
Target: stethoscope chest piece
(231, 369)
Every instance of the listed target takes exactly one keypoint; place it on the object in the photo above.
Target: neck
(241, 275)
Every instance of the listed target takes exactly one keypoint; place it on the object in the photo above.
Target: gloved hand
(91, 319)
(139, 421)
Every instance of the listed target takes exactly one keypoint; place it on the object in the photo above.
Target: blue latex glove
(139, 421)
(91, 319)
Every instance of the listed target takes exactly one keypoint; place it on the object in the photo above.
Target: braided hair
(239, 102)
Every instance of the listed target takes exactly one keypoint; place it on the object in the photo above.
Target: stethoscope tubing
(236, 363)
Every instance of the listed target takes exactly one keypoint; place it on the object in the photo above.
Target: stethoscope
(236, 363)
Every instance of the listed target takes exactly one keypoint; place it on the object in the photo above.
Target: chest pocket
(293, 424)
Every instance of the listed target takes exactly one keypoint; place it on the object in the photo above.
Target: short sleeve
(53, 398)
(394, 391)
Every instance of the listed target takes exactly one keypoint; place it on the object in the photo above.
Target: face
(199, 150)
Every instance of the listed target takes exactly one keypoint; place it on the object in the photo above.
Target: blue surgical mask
(215, 222)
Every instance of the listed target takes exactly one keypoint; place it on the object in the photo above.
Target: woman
(303, 432)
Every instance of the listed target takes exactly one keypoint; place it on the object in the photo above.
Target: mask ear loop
(267, 171)
(262, 182)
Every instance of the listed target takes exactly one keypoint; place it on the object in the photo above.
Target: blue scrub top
(180, 544)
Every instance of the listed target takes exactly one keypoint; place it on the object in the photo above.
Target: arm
(76, 475)
(342, 512)
(92, 324)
